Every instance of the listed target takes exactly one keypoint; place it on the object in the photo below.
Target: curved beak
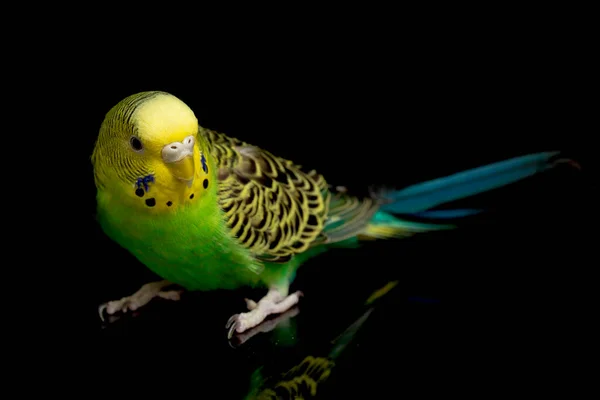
(179, 157)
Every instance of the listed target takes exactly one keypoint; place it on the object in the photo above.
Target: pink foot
(272, 303)
(139, 298)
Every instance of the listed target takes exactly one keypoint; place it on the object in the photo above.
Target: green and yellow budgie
(206, 211)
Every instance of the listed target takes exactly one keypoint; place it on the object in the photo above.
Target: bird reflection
(303, 380)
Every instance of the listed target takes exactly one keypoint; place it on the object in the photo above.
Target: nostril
(174, 147)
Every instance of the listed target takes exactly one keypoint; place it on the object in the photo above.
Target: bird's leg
(274, 302)
(140, 298)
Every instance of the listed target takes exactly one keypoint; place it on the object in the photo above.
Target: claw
(101, 310)
(232, 329)
(231, 320)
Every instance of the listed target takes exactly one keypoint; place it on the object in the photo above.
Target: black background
(512, 287)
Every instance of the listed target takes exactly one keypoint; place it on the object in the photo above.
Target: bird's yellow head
(149, 154)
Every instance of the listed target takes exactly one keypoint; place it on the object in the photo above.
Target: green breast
(190, 246)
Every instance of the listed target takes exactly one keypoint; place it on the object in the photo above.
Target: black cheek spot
(205, 183)
(192, 196)
(169, 203)
(139, 192)
(151, 202)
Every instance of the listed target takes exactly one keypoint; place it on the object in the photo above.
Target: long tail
(419, 199)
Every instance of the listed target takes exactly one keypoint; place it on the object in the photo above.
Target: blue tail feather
(418, 199)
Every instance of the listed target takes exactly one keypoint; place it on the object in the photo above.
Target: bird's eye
(135, 143)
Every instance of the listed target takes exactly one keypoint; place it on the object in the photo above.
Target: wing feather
(271, 205)
(275, 208)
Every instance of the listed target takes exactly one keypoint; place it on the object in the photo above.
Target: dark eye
(135, 143)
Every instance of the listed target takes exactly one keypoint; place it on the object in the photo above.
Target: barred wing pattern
(276, 209)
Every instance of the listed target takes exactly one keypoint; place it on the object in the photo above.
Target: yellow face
(149, 154)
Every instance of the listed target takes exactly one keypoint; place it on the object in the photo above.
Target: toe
(250, 304)
(112, 307)
(173, 295)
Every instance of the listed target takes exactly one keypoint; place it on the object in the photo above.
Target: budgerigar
(206, 211)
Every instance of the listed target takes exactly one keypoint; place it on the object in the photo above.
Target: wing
(273, 207)
(347, 216)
